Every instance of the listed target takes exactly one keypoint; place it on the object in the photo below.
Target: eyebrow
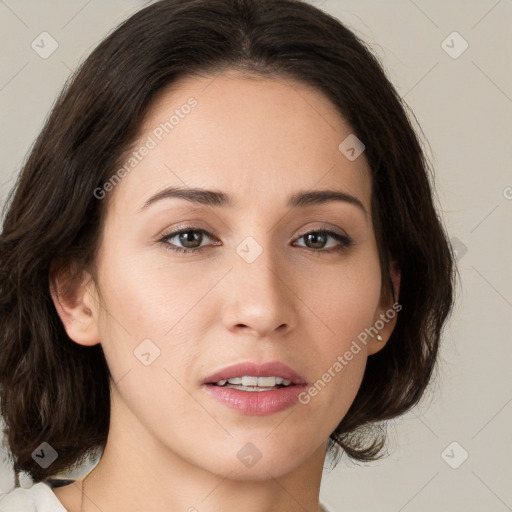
(206, 197)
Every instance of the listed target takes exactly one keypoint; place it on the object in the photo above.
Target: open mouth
(255, 388)
(250, 383)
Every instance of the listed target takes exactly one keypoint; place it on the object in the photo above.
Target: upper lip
(269, 369)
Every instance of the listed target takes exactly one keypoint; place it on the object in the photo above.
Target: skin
(171, 447)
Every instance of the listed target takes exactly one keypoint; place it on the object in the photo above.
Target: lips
(269, 369)
(245, 400)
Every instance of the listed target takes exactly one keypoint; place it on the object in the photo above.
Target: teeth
(250, 388)
(263, 381)
(249, 381)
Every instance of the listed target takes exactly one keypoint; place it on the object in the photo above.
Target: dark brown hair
(56, 391)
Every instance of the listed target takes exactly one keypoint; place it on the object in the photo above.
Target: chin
(249, 465)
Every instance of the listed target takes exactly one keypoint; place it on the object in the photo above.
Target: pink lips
(256, 402)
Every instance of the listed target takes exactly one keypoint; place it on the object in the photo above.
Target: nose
(259, 297)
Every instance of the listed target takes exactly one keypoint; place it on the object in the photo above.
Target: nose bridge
(258, 295)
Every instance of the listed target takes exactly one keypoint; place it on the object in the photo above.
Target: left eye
(320, 238)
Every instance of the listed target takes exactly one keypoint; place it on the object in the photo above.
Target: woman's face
(255, 287)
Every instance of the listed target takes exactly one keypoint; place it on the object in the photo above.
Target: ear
(76, 302)
(387, 312)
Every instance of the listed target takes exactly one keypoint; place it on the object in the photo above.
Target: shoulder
(323, 508)
(38, 498)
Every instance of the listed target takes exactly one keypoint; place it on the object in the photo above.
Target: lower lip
(256, 403)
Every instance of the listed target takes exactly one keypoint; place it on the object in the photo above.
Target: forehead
(254, 138)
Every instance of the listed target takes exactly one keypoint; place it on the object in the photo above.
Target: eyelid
(196, 227)
(325, 227)
(175, 230)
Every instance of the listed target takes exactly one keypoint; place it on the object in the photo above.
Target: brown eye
(189, 240)
(317, 240)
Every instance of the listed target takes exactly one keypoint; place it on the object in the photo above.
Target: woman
(221, 263)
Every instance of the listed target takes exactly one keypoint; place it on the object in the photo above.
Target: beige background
(464, 106)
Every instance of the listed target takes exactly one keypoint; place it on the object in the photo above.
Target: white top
(38, 498)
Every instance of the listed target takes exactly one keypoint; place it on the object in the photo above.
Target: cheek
(345, 299)
(347, 309)
(329, 395)
(154, 318)
(147, 343)
(146, 299)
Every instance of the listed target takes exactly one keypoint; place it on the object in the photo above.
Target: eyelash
(345, 241)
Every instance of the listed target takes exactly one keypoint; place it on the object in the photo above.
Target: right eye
(189, 236)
